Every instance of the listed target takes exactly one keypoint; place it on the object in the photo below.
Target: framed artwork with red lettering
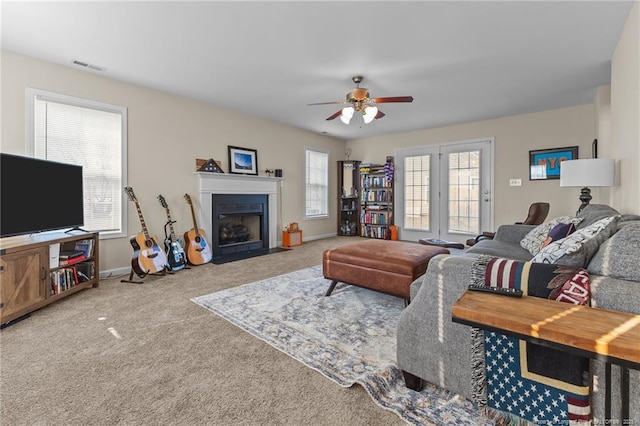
(545, 163)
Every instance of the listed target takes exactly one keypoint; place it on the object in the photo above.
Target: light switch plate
(515, 182)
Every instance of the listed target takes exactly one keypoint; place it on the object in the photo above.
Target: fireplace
(240, 225)
(215, 185)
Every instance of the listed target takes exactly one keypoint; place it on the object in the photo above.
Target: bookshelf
(41, 269)
(348, 204)
(376, 201)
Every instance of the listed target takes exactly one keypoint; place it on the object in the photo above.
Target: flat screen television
(38, 195)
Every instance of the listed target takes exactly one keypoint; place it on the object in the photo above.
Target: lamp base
(585, 197)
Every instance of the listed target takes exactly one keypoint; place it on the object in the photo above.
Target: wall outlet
(515, 182)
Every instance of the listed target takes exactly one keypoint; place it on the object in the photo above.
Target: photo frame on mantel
(545, 163)
(243, 161)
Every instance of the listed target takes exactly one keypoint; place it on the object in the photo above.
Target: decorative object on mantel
(545, 163)
(209, 165)
(586, 173)
(269, 172)
(243, 161)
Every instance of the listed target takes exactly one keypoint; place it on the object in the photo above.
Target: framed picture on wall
(545, 163)
(243, 161)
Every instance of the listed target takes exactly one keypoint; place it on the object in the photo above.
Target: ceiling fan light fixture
(347, 113)
(360, 93)
(369, 114)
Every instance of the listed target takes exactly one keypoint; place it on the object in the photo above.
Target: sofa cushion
(533, 241)
(499, 248)
(578, 248)
(593, 213)
(618, 256)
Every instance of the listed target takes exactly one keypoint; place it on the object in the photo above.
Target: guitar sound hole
(148, 243)
(198, 239)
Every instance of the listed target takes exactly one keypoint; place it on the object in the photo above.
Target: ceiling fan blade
(380, 114)
(337, 114)
(327, 103)
(392, 99)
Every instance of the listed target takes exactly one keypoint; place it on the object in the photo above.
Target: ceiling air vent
(90, 66)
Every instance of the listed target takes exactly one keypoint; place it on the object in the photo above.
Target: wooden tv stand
(31, 276)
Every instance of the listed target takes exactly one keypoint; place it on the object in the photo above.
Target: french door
(445, 191)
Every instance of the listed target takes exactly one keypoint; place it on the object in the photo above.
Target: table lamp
(586, 173)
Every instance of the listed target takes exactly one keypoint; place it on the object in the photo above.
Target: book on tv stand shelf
(70, 254)
(85, 246)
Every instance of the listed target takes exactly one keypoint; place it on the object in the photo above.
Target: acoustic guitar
(148, 256)
(177, 258)
(198, 251)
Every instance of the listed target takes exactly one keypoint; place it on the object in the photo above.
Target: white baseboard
(320, 237)
(126, 270)
(114, 272)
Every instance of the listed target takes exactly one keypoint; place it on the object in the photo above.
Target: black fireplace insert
(240, 226)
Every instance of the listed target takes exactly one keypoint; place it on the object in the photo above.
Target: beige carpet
(144, 354)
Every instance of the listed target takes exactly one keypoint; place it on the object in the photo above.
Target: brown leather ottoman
(381, 265)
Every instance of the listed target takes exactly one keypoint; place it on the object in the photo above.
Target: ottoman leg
(331, 287)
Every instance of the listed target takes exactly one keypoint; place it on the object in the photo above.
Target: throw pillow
(578, 248)
(558, 232)
(617, 257)
(534, 239)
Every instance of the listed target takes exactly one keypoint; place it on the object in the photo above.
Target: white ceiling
(462, 61)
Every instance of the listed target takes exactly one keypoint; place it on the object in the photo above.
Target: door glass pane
(464, 192)
(416, 190)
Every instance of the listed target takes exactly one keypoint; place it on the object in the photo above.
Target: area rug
(349, 337)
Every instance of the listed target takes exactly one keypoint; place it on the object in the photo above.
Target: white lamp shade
(369, 114)
(588, 172)
(346, 115)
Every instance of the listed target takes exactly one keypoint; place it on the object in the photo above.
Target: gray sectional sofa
(432, 348)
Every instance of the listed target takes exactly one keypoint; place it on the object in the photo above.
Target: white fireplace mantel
(220, 183)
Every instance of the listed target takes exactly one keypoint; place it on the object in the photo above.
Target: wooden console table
(609, 336)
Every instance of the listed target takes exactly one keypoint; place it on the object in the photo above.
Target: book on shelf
(86, 271)
(72, 260)
(63, 279)
(70, 254)
(85, 246)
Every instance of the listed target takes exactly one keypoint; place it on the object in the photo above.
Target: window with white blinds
(87, 133)
(317, 183)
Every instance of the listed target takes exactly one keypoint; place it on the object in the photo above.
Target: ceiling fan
(358, 100)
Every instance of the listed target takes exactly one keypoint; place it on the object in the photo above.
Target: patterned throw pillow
(578, 248)
(535, 238)
(561, 230)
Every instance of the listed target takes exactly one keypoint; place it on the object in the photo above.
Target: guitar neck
(172, 233)
(193, 215)
(142, 223)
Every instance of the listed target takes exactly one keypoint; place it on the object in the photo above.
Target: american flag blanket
(521, 383)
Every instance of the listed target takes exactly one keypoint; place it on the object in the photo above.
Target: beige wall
(166, 135)
(625, 115)
(514, 137)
